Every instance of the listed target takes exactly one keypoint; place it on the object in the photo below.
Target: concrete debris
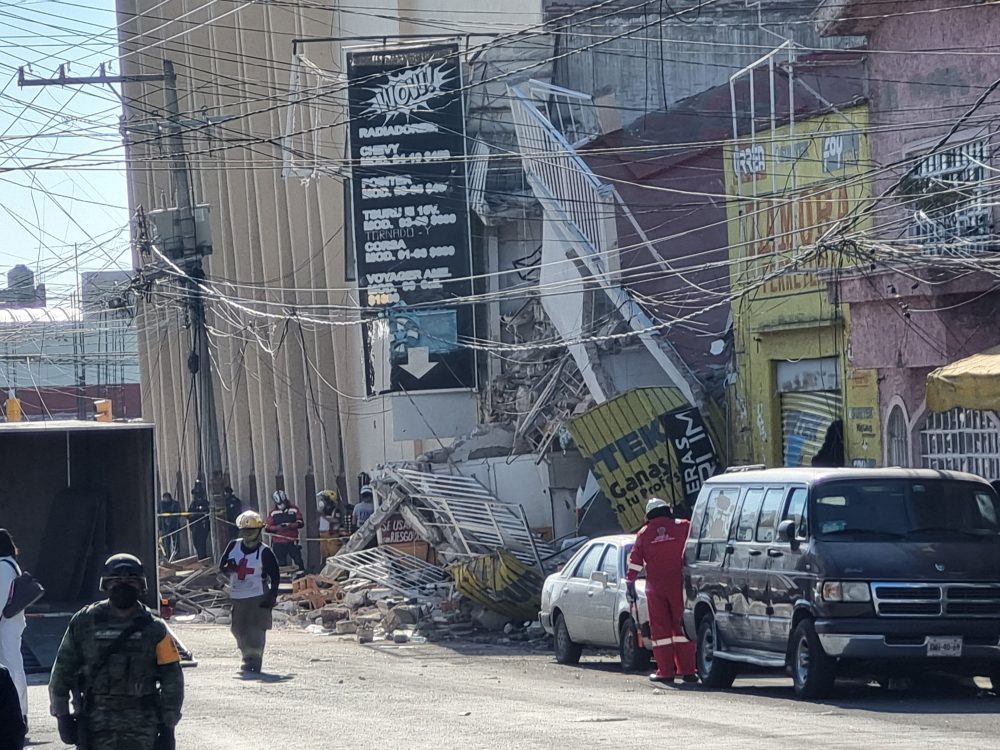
(368, 612)
(194, 587)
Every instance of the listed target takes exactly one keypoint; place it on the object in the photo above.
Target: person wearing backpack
(11, 628)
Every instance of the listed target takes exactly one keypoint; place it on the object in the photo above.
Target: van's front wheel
(813, 672)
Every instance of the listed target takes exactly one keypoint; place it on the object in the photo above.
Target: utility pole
(79, 347)
(189, 259)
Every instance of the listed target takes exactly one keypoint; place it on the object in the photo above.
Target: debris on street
(195, 589)
(482, 581)
(501, 583)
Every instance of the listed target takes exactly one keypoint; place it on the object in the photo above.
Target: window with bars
(946, 196)
(962, 440)
(897, 439)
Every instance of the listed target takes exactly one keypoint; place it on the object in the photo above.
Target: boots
(664, 656)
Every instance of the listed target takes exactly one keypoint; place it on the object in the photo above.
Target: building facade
(928, 295)
(57, 362)
(292, 407)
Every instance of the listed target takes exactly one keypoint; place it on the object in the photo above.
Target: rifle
(88, 678)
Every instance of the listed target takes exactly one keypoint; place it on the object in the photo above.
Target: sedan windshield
(877, 510)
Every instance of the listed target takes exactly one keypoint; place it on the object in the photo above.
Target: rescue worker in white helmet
(659, 548)
(253, 587)
(283, 524)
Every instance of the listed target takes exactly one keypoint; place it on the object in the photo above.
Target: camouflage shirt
(143, 672)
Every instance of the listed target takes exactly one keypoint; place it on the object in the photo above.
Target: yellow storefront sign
(788, 190)
(648, 442)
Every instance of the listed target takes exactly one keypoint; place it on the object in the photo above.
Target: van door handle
(775, 553)
(755, 552)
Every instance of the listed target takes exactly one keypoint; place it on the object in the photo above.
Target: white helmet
(654, 503)
(367, 490)
(279, 497)
(249, 519)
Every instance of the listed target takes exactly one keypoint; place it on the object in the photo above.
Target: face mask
(251, 539)
(123, 596)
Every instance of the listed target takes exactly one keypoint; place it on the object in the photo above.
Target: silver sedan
(584, 604)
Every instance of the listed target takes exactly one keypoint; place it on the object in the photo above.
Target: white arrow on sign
(417, 363)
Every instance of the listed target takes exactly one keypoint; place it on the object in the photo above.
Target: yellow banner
(629, 451)
(501, 583)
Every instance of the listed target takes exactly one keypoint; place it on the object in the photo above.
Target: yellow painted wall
(786, 189)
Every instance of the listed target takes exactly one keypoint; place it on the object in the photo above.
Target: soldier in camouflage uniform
(122, 667)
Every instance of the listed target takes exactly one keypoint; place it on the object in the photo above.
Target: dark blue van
(882, 572)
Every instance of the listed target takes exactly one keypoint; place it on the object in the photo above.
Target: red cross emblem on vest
(243, 570)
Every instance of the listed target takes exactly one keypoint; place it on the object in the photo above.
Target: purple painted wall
(925, 69)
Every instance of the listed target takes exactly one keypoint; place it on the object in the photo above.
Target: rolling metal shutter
(805, 418)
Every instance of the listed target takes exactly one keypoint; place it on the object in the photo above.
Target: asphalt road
(330, 692)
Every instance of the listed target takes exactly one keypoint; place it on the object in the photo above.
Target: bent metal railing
(557, 170)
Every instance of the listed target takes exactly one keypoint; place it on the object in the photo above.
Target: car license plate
(944, 646)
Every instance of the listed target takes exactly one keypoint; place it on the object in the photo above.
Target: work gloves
(630, 592)
(68, 732)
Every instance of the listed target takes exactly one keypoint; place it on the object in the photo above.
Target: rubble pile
(372, 612)
(482, 582)
(194, 589)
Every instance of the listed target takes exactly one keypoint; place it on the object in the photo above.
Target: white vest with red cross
(247, 580)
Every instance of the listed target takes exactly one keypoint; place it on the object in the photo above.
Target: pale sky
(44, 212)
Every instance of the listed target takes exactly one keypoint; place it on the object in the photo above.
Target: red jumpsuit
(659, 547)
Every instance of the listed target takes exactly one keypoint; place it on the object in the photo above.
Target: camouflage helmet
(123, 567)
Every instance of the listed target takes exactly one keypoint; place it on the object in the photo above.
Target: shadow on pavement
(940, 696)
(450, 649)
(264, 677)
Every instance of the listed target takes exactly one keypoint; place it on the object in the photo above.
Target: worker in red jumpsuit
(659, 547)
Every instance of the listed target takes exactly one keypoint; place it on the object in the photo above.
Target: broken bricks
(315, 592)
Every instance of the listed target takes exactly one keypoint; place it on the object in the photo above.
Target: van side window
(773, 499)
(798, 511)
(748, 515)
(714, 530)
(589, 562)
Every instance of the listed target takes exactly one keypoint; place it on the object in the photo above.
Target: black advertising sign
(693, 449)
(410, 214)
